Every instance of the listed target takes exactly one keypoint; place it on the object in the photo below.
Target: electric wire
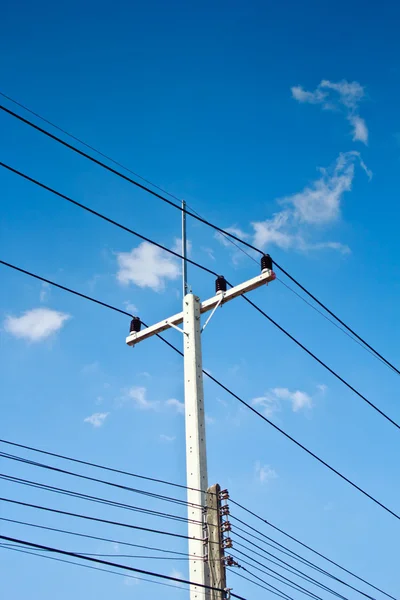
(112, 564)
(264, 569)
(198, 218)
(271, 588)
(94, 537)
(114, 555)
(259, 414)
(294, 539)
(287, 567)
(95, 519)
(96, 499)
(97, 480)
(37, 554)
(231, 241)
(105, 218)
(284, 580)
(206, 269)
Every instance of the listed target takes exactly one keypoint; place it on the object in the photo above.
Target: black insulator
(135, 325)
(220, 284)
(266, 262)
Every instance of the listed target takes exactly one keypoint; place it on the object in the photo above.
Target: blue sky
(278, 121)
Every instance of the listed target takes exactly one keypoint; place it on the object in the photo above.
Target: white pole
(196, 461)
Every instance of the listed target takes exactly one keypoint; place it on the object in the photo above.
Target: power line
(322, 363)
(101, 216)
(112, 564)
(271, 588)
(311, 550)
(193, 215)
(158, 497)
(96, 519)
(95, 499)
(70, 562)
(113, 555)
(231, 393)
(265, 570)
(94, 537)
(238, 246)
(94, 479)
(288, 567)
(66, 289)
(96, 465)
(206, 269)
(283, 579)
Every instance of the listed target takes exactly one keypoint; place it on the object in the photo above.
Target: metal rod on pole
(184, 250)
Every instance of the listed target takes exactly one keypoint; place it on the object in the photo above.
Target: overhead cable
(195, 216)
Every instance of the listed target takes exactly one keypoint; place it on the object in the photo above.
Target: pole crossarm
(207, 305)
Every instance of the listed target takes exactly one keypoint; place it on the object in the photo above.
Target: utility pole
(196, 457)
(215, 553)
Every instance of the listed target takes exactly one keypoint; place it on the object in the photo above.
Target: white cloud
(177, 246)
(271, 402)
(268, 404)
(44, 292)
(138, 395)
(360, 131)
(176, 405)
(302, 95)
(318, 204)
(298, 399)
(322, 388)
(91, 368)
(265, 473)
(209, 420)
(132, 308)
(178, 575)
(96, 419)
(337, 95)
(226, 240)
(35, 325)
(147, 266)
(167, 438)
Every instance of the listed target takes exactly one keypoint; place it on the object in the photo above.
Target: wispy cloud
(318, 204)
(147, 266)
(178, 575)
(132, 308)
(44, 292)
(176, 405)
(91, 368)
(264, 473)
(271, 402)
(342, 95)
(167, 438)
(35, 325)
(138, 394)
(96, 419)
(298, 399)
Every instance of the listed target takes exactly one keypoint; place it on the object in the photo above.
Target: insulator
(224, 510)
(135, 325)
(224, 495)
(229, 562)
(226, 526)
(266, 263)
(227, 543)
(220, 285)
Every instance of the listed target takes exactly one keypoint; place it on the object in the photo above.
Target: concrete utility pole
(196, 458)
(215, 553)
